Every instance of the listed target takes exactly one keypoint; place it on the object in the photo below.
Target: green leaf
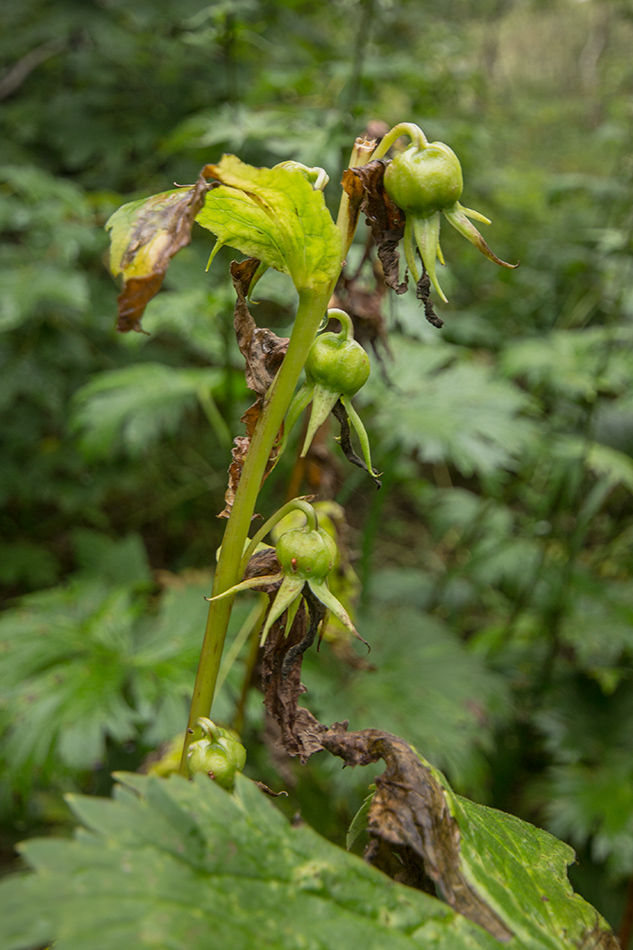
(575, 363)
(121, 561)
(592, 804)
(66, 660)
(29, 563)
(461, 414)
(175, 864)
(587, 793)
(188, 866)
(521, 872)
(599, 622)
(29, 288)
(81, 664)
(133, 407)
(275, 215)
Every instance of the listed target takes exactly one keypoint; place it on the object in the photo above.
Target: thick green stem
(312, 307)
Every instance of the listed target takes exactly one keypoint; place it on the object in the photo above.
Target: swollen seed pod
(338, 364)
(219, 754)
(424, 180)
(306, 554)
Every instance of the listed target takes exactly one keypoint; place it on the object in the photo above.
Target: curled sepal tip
(458, 217)
(323, 593)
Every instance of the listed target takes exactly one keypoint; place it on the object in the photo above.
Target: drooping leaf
(177, 864)
(145, 235)
(276, 216)
(499, 871)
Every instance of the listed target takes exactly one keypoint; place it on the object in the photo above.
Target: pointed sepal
(361, 432)
(323, 593)
(427, 237)
(290, 589)
(323, 401)
(250, 584)
(458, 217)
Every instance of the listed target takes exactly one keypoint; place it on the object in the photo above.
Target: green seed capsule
(339, 365)
(306, 554)
(219, 754)
(424, 180)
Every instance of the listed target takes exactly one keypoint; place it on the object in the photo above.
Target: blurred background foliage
(496, 562)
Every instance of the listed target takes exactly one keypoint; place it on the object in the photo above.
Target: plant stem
(414, 132)
(361, 154)
(310, 312)
(312, 307)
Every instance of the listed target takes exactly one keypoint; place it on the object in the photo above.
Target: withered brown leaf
(409, 809)
(145, 237)
(364, 187)
(263, 353)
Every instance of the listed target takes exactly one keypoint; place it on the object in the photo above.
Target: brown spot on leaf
(599, 939)
(415, 837)
(409, 811)
(136, 294)
(161, 228)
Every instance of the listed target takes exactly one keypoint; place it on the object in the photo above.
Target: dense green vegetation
(496, 561)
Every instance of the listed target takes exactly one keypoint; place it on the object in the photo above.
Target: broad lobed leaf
(173, 864)
(188, 866)
(463, 415)
(132, 407)
(275, 215)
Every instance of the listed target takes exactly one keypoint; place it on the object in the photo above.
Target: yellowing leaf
(145, 236)
(275, 215)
